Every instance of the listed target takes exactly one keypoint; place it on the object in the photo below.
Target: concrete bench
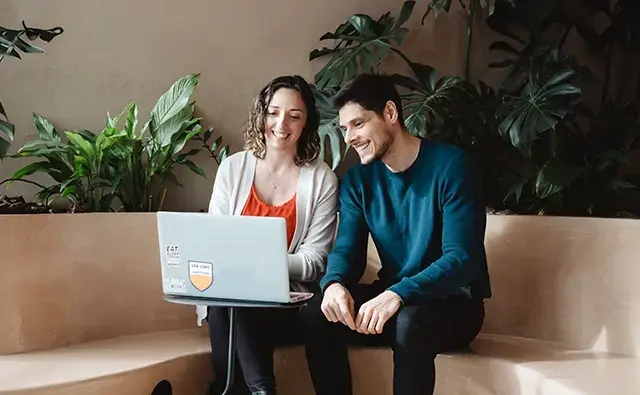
(564, 318)
(81, 310)
(132, 364)
(83, 313)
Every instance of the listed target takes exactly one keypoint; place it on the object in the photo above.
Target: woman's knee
(311, 314)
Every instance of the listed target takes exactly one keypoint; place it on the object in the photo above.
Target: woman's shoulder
(235, 161)
(323, 172)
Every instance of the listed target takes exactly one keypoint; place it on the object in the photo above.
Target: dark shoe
(215, 388)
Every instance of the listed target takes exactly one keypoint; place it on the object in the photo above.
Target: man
(420, 201)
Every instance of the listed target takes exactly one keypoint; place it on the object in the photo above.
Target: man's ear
(391, 112)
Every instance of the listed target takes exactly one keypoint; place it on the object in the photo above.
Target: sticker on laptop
(201, 275)
(172, 253)
(175, 286)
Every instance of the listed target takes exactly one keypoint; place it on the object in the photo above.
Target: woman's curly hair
(309, 142)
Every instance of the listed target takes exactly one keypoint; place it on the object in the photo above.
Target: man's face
(368, 132)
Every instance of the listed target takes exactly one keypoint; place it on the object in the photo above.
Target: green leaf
(8, 129)
(207, 135)
(45, 129)
(132, 120)
(83, 145)
(329, 126)
(437, 6)
(27, 47)
(69, 191)
(194, 168)
(429, 99)
(555, 176)
(361, 44)
(180, 144)
(174, 101)
(41, 152)
(620, 185)
(224, 152)
(165, 132)
(517, 189)
(32, 168)
(216, 144)
(538, 108)
(172, 178)
(2, 111)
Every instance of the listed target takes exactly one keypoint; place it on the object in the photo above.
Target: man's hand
(376, 312)
(337, 305)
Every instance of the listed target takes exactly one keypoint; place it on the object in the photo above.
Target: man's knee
(411, 334)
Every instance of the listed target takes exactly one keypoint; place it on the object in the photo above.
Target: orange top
(257, 208)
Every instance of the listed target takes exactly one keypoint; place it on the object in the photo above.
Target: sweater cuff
(328, 280)
(296, 267)
(402, 291)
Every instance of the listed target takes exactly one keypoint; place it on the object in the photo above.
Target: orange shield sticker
(201, 275)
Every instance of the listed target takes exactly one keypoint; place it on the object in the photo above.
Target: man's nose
(348, 136)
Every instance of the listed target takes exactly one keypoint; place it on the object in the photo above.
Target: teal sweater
(428, 225)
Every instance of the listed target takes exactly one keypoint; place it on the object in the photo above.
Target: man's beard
(380, 152)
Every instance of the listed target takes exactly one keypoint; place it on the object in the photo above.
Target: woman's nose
(281, 121)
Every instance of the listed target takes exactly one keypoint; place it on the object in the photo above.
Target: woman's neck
(278, 162)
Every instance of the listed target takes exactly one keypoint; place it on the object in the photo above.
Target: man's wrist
(330, 283)
(395, 294)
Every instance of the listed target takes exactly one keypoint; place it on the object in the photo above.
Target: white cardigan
(316, 213)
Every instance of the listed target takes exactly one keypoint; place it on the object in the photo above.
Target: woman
(278, 174)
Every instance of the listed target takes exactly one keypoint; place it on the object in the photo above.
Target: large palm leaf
(542, 103)
(329, 129)
(361, 44)
(429, 98)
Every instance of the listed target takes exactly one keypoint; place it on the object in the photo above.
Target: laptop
(225, 258)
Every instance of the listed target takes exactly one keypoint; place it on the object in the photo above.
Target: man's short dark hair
(372, 92)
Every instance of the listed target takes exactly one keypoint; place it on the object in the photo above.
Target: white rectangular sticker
(172, 253)
(175, 285)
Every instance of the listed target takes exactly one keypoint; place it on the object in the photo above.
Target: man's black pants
(416, 333)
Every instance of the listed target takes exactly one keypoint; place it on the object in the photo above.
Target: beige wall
(118, 50)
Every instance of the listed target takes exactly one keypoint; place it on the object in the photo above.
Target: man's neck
(402, 153)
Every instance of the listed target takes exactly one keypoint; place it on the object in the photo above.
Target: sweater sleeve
(219, 202)
(347, 261)
(463, 227)
(308, 262)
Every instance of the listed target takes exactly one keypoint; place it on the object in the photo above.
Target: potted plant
(127, 166)
(544, 148)
(14, 44)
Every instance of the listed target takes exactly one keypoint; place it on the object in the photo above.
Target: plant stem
(607, 75)
(403, 56)
(164, 193)
(467, 49)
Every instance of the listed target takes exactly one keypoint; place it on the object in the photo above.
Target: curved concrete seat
(495, 365)
(124, 365)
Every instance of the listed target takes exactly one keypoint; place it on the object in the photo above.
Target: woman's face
(285, 120)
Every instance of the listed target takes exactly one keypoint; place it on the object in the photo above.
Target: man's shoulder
(443, 149)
